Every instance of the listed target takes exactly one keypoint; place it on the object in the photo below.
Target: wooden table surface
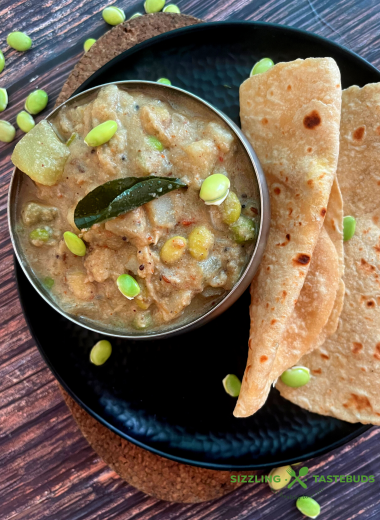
(48, 471)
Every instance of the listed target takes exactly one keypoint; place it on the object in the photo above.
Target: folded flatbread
(320, 303)
(346, 368)
(334, 227)
(291, 115)
(314, 314)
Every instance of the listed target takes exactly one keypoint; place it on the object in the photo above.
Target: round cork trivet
(154, 475)
(150, 473)
(119, 39)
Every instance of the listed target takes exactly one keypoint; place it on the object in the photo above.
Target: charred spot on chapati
(302, 259)
(312, 120)
(359, 133)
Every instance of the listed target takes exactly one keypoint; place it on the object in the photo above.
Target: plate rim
(182, 460)
(203, 26)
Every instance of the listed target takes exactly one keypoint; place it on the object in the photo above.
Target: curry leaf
(119, 196)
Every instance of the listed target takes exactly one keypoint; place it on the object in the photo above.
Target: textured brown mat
(155, 475)
(118, 40)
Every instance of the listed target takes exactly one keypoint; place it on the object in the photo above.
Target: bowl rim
(246, 276)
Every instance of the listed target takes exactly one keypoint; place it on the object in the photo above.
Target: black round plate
(167, 395)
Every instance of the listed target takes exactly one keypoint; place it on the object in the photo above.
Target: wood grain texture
(48, 469)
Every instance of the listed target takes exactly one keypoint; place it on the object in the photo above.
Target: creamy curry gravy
(197, 144)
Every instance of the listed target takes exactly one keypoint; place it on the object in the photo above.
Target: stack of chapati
(292, 115)
(346, 368)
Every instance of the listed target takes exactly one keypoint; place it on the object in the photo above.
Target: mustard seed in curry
(183, 254)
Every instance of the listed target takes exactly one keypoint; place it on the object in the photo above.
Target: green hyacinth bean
(3, 99)
(19, 41)
(231, 208)
(296, 377)
(41, 234)
(308, 507)
(101, 134)
(261, 66)
(25, 121)
(7, 132)
(280, 477)
(155, 143)
(349, 227)
(215, 189)
(113, 15)
(36, 102)
(128, 286)
(164, 81)
(48, 282)
(100, 352)
(173, 249)
(74, 243)
(136, 15)
(88, 44)
(232, 385)
(153, 6)
(243, 230)
(171, 8)
(200, 242)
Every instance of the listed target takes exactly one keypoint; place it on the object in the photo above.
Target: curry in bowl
(138, 212)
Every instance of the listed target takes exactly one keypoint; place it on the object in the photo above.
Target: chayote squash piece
(41, 155)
